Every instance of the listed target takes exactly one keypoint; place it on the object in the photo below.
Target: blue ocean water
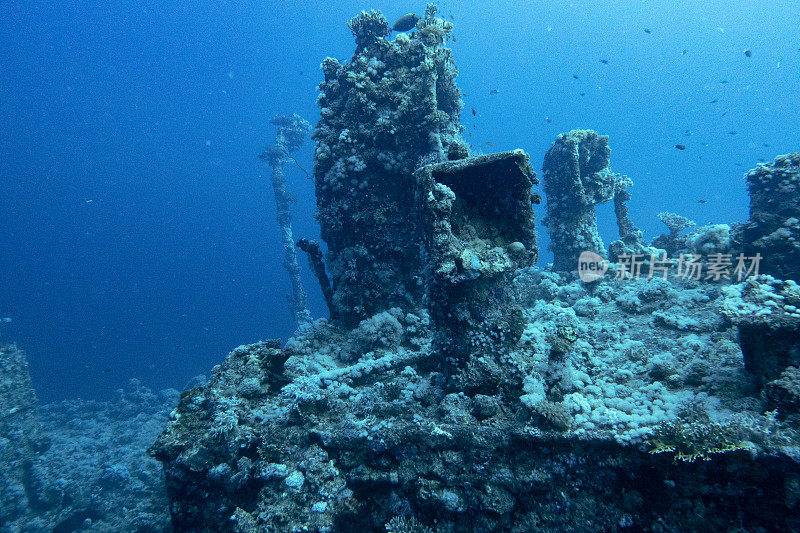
(139, 235)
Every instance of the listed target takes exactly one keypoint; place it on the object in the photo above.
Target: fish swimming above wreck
(405, 23)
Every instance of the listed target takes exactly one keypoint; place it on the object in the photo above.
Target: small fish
(583, 94)
(494, 91)
(732, 132)
(748, 53)
(723, 114)
(548, 120)
(5, 320)
(106, 370)
(685, 51)
(473, 112)
(604, 61)
(714, 101)
(405, 23)
(723, 82)
(647, 30)
(701, 201)
(473, 126)
(680, 147)
(453, 37)
(489, 144)
(761, 160)
(575, 76)
(766, 145)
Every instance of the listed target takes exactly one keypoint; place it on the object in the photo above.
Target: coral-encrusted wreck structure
(766, 311)
(479, 229)
(577, 178)
(773, 230)
(21, 441)
(456, 386)
(292, 130)
(412, 222)
(391, 109)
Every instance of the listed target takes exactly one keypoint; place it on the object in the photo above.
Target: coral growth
(690, 441)
(479, 227)
(355, 426)
(576, 178)
(674, 241)
(784, 392)
(707, 241)
(458, 387)
(368, 27)
(79, 465)
(291, 132)
(766, 312)
(394, 103)
(631, 242)
(773, 230)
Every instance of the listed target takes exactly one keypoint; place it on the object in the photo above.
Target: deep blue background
(138, 236)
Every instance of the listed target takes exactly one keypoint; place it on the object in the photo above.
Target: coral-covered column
(292, 129)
